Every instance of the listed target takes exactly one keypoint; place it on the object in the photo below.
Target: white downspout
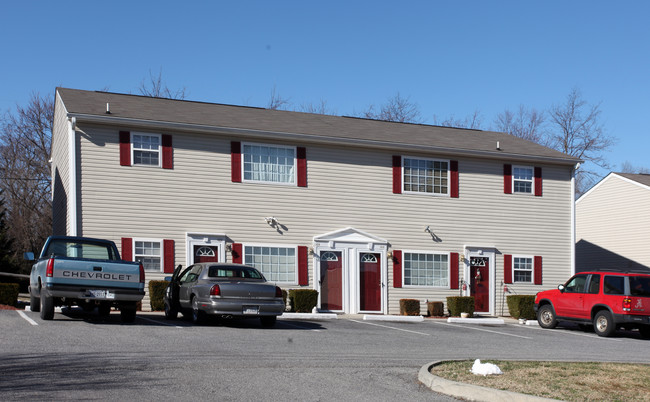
(72, 176)
(573, 218)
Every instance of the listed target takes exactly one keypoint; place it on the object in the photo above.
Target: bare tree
(472, 121)
(397, 109)
(318, 108)
(576, 130)
(277, 102)
(156, 88)
(525, 123)
(628, 167)
(25, 143)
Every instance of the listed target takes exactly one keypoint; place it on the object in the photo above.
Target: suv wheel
(546, 317)
(604, 323)
(645, 331)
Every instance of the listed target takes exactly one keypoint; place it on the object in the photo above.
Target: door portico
(351, 272)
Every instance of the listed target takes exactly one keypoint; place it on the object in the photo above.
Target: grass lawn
(559, 380)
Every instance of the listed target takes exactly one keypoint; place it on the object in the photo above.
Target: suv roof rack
(620, 270)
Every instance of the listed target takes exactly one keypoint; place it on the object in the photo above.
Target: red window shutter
(538, 181)
(301, 156)
(507, 179)
(453, 270)
(453, 169)
(167, 152)
(397, 268)
(168, 256)
(125, 148)
(303, 266)
(507, 268)
(397, 174)
(127, 249)
(237, 253)
(537, 267)
(235, 161)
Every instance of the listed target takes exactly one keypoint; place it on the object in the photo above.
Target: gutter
(273, 135)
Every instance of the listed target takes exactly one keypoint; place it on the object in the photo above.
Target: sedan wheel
(604, 324)
(170, 313)
(198, 316)
(546, 317)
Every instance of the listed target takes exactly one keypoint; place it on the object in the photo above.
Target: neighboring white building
(613, 224)
(366, 212)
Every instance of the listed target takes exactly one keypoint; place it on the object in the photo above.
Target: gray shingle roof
(159, 112)
(639, 178)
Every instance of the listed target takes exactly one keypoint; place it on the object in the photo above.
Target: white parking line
(482, 329)
(159, 322)
(389, 327)
(29, 320)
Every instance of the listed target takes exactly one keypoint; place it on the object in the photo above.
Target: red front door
(480, 283)
(205, 254)
(370, 282)
(331, 281)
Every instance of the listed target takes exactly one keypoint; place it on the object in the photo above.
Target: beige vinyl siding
(347, 187)
(615, 217)
(60, 170)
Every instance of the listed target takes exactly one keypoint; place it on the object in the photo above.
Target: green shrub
(9, 294)
(157, 294)
(284, 297)
(303, 300)
(460, 304)
(521, 306)
(436, 309)
(409, 307)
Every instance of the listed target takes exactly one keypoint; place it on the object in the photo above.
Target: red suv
(607, 300)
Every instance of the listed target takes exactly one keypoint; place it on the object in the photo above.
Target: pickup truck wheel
(47, 307)
(104, 310)
(127, 313)
(604, 323)
(546, 317)
(198, 316)
(34, 303)
(170, 313)
(268, 321)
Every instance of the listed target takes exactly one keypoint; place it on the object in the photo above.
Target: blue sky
(449, 57)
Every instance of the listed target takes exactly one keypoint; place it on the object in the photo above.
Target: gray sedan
(222, 290)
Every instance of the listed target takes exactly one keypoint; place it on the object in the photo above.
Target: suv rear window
(640, 286)
(614, 285)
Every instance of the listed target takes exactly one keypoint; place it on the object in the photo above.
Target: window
(523, 269)
(576, 284)
(146, 149)
(426, 176)
(522, 177)
(148, 253)
(594, 284)
(277, 264)
(614, 285)
(426, 269)
(270, 164)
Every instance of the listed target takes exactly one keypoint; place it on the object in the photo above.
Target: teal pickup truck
(85, 272)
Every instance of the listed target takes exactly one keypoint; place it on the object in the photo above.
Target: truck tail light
(215, 290)
(627, 304)
(49, 272)
(278, 291)
(141, 273)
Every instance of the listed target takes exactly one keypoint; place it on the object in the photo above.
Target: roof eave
(311, 138)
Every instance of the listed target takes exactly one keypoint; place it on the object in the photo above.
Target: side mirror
(28, 256)
(168, 278)
(561, 288)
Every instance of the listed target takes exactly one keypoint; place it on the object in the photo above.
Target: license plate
(101, 294)
(251, 310)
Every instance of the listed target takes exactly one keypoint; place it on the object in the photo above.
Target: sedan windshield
(233, 272)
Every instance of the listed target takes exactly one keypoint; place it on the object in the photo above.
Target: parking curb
(469, 392)
(484, 321)
(394, 318)
(308, 316)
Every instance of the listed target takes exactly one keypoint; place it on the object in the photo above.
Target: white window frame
(447, 161)
(428, 252)
(161, 256)
(531, 181)
(531, 270)
(134, 149)
(278, 246)
(294, 178)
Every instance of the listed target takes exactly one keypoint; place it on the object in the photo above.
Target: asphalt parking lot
(79, 356)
